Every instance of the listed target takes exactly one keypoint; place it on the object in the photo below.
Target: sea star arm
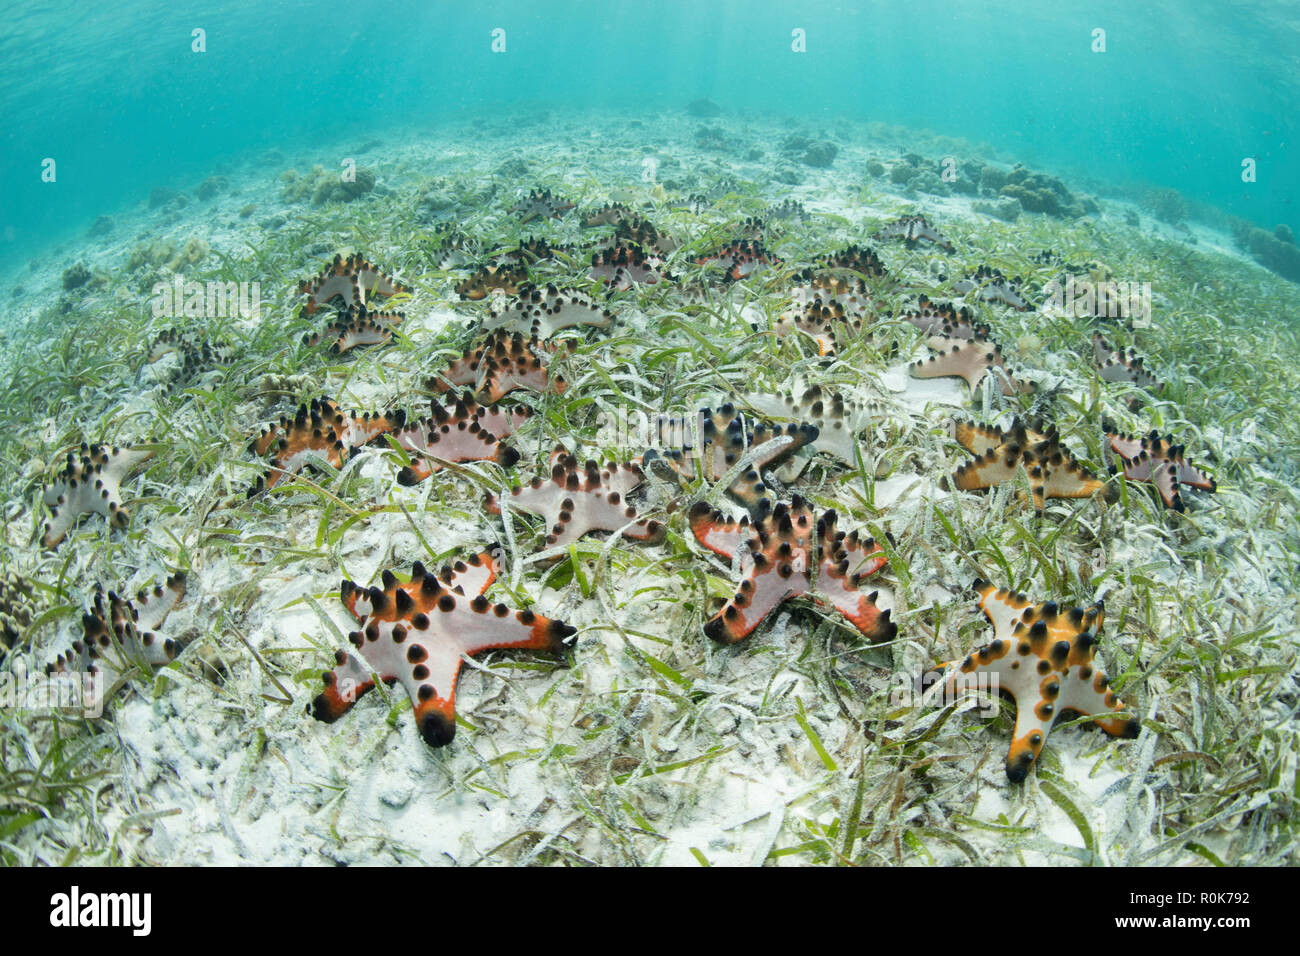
(504, 362)
(774, 568)
(1158, 461)
(944, 319)
(845, 561)
(723, 441)
(817, 320)
(970, 361)
(978, 439)
(721, 535)
(624, 264)
(1189, 474)
(992, 468)
(837, 420)
(349, 279)
(1053, 473)
(1121, 365)
(506, 278)
(319, 429)
(607, 215)
(152, 606)
(358, 327)
(541, 204)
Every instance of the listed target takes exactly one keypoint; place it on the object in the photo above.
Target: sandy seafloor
(607, 760)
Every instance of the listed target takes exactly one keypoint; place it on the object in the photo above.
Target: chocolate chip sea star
(722, 440)
(351, 280)
(1121, 365)
(1161, 463)
(506, 278)
(1042, 655)
(968, 360)
(947, 321)
(503, 362)
(357, 326)
(825, 322)
(540, 204)
(320, 429)
(416, 632)
(914, 229)
(540, 313)
(608, 215)
(838, 420)
(778, 551)
(740, 259)
(90, 482)
(460, 431)
(579, 498)
(119, 634)
(1052, 471)
(990, 285)
(625, 264)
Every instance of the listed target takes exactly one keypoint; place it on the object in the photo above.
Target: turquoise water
(1184, 91)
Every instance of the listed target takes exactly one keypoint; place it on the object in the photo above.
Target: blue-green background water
(1185, 90)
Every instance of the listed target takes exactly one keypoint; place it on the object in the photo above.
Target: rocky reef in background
(1275, 251)
(1005, 193)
